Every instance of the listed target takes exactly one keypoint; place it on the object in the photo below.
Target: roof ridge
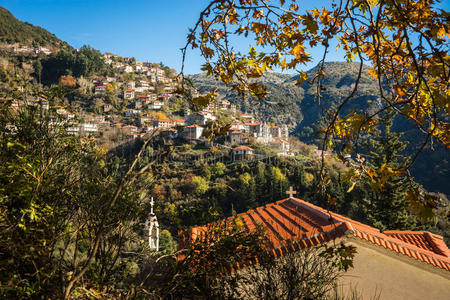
(407, 249)
(438, 243)
(371, 234)
(317, 225)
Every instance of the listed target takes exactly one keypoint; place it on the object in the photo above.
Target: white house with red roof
(100, 89)
(240, 153)
(128, 94)
(192, 132)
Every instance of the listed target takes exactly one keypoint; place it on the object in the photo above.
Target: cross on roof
(291, 192)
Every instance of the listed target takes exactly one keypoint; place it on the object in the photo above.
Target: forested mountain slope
(13, 31)
(300, 109)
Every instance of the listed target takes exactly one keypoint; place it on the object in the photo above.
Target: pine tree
(386, 206)
(38, 69)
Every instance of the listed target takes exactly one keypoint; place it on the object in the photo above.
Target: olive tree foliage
(68, 215)
(405, 43)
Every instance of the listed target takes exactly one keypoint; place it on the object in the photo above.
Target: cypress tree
(386, 206)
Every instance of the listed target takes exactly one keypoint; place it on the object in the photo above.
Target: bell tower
(153, 229)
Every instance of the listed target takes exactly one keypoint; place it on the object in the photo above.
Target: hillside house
(127, 69)
(132, 112)
(155, 105)
(143, 83)
(167, 123)
(104, 125)
(130, 129)
(74, 130)
(43, 103)
(131, 85)
(100, 90)
(280, 145)
(142, 86)
(147, 128)
(236, 137)
(178, 122)
(44, 50)
(200, 118)
(261, 131)
(144, 121)
(241, 153)
(162, 123)
(88, 128)
(397, 264)
(152, 78)
(128, 94)
(221, 104)
(248, 118)
(168, 88)
(237, 126)
(192, 132)
(169, 133)
(67, 115)
(135, 135)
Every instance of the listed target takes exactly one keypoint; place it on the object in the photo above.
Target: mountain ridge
(12, 31)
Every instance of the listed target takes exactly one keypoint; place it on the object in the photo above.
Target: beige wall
(394, 275)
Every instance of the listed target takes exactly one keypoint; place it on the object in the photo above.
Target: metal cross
(291, 192)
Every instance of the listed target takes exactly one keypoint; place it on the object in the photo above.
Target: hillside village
(148, 101)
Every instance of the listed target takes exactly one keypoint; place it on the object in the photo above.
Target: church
(395, 264)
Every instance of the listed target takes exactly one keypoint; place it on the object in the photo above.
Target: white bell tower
(153, 229)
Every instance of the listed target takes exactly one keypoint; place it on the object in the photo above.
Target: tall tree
(386, 206)
(38, 69)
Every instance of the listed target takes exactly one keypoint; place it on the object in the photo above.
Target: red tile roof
(242, 148)
(422, 239)
(293, 224)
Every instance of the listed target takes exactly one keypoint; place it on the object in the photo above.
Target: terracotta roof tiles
(293, 224)
(242, 148)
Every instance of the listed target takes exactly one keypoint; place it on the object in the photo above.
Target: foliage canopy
(404, 42)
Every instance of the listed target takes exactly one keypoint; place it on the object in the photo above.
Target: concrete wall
(394, 275)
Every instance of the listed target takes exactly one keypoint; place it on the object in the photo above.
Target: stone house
(236, 137)
(192, 132)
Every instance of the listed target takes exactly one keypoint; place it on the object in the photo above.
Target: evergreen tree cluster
(87, 61)
(385, 205)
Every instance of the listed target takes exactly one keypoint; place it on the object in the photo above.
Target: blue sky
(150, 30)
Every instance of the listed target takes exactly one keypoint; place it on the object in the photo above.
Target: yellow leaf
(298, 50)
(400, 91)
(441, 32)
